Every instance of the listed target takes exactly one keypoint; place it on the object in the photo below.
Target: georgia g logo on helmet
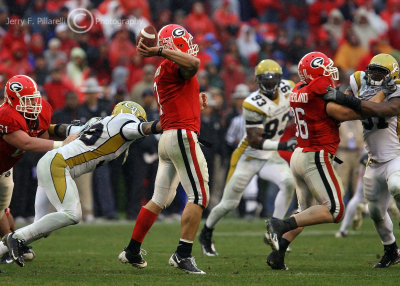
(317, 62)
(178, 32)
(16, 86)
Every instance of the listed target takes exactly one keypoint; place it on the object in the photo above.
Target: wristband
(269, 145)
(57, 144)
(159, 53)
(56, 130)
(154, 127)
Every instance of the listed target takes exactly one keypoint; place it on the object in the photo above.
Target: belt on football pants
(336, 159)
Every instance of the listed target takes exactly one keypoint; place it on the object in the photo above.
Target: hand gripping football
(148, 36)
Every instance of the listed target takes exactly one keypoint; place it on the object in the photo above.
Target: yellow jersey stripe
(357, 77)
(252, 108)
(235, 158)
(108, 147)
(398, 127)
(57, 170)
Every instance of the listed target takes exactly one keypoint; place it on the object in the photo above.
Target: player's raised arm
(184, 57)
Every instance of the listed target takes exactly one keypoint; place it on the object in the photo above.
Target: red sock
(144, 222)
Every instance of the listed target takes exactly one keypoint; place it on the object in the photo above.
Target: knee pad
(230, 204)
(394, 185)
(74, 215)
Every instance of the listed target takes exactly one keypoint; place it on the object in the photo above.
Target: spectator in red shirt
(19, 63)
(14, 34)
(67, 43)
(319, 11)
(268, 10)
(56, 88)
(37, 44)
(232, 74)
(121, 49)
(198, 22)
(224, 16)
(394, 32)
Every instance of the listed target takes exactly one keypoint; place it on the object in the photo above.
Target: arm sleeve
(132, 130)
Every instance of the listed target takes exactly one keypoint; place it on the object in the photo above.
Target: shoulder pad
(250, 104)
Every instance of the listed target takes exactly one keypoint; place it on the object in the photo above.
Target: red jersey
(10, 121)
(315, 129)
(177, 99)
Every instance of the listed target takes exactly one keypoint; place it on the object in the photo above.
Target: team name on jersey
(298, 97)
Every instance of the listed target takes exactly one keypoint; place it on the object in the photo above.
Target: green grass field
(87, 255)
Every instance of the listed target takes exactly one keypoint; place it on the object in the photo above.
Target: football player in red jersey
(180, 158)
(317, 124)
(24, 120)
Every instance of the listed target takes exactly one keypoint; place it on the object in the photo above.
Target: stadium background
(84, 65)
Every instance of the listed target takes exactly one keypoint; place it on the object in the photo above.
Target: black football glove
(388, 86)
(289, 145)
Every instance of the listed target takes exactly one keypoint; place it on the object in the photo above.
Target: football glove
(289, 145)
(388, 86)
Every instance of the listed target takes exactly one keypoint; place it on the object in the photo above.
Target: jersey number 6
(301, 125)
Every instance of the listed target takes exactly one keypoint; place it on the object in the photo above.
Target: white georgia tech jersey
(102, 141)
(381, 134)
(271, 115)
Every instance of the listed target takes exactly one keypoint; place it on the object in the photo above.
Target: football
(148, 36)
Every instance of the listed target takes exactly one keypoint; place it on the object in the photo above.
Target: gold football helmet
(380, 67)
(268, 76)
(132, 108)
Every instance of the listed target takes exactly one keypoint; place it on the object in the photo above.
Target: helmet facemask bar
(168, 43)
(193, 48)
(330, 70)
(30, 105)
(268, 82)
(376, 74)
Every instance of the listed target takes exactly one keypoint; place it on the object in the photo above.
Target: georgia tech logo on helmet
(16, 86)
(178, 32)
(317, 62)
(130, 106)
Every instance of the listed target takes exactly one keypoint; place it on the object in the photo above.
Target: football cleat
(207, 245)
(6, 259)
(15, 247)
(28, 255)
(276, 261)
(274, 232)
(388, 259)
(136, 260)
(341, 234)
(187, 265)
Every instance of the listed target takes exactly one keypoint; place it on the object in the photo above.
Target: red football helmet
(22, 93)
(316, 64)
(175, 36)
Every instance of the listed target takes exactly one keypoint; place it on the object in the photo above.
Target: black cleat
(389, 258)
(276, 261)
(207, 245)
(15, 248)
(6, 259)
(136, 260)
(274, 232)
(185, 264)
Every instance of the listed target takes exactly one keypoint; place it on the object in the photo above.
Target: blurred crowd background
(85, 74)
